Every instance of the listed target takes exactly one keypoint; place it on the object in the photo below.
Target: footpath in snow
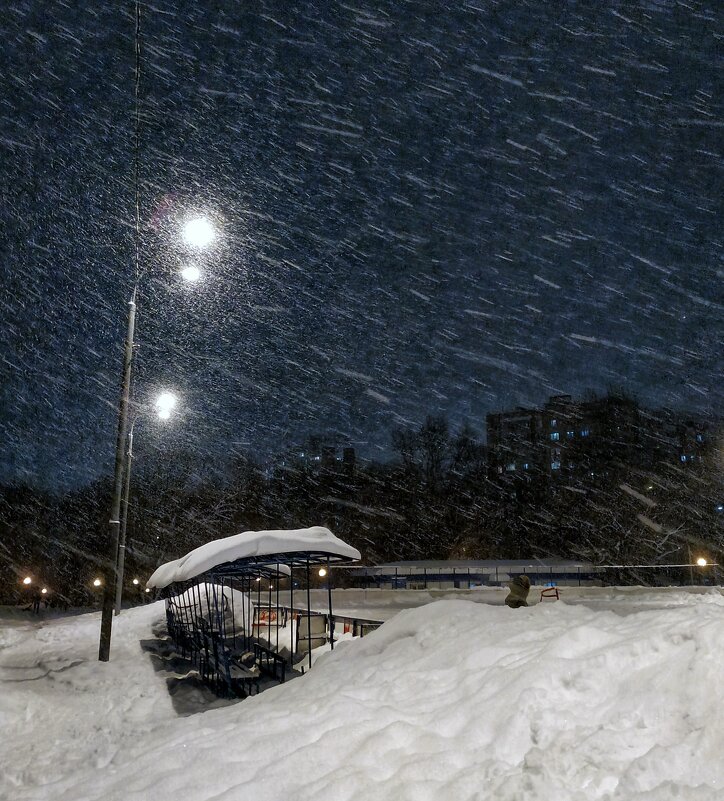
(451, 701)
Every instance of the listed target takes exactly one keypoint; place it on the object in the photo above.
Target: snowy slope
(451, 701)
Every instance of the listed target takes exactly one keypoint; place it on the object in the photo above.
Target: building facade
(580, 436)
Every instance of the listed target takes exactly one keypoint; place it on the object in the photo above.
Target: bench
(270, 662)
(220, 661)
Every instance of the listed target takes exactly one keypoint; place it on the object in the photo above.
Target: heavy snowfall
(443, 277)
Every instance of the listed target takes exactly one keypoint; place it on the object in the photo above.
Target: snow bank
(453, 701)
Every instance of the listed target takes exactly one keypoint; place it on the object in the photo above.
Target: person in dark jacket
(518, 595)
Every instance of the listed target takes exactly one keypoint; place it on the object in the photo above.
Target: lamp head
(199, 232)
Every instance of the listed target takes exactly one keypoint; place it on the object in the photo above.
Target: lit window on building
(683, 457)
(510, 467)
(554, 423)
(570, 434)
(699, 437)
(555, 436)
(585, 432)
(526, 466)
(555, 465)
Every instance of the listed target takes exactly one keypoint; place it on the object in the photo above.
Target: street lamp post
(114, 524)
(198, 233)
(124, 522)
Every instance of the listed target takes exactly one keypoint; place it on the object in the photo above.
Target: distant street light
(27, 580)
(701, 562)
(135, 582)
(322, 571)
(97, 582)
(44, 591)
(163, 404)
(199, 232)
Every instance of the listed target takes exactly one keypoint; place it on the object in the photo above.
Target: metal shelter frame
(217, 620)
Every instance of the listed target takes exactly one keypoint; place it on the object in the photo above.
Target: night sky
(445, 208)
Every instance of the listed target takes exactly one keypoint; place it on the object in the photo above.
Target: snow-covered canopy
(167, 573)
(317, 541)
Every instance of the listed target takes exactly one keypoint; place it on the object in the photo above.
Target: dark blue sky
(425, 208)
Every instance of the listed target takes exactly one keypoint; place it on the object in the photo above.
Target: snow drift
(450, 701)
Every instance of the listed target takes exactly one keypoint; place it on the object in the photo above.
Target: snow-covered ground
(450, 701)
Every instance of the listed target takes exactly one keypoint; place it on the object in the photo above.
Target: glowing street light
(27, 581)
(701, 562)
(135, 582)
(44, 591)
(165, 404)
(199, 232)
(97, 582)
(322, 571)
(191, 273)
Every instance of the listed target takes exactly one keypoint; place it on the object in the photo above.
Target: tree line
(436, 499)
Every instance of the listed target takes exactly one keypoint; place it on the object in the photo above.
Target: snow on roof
(163, 576)
(317, 539)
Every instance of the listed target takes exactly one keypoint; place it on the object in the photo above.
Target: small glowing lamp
(322, 571)
(701, 561)
(135, 581)
(27, 580)
(96, 582)
(44, 591)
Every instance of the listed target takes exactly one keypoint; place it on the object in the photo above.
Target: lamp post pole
(124, 521)
(114, 524)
